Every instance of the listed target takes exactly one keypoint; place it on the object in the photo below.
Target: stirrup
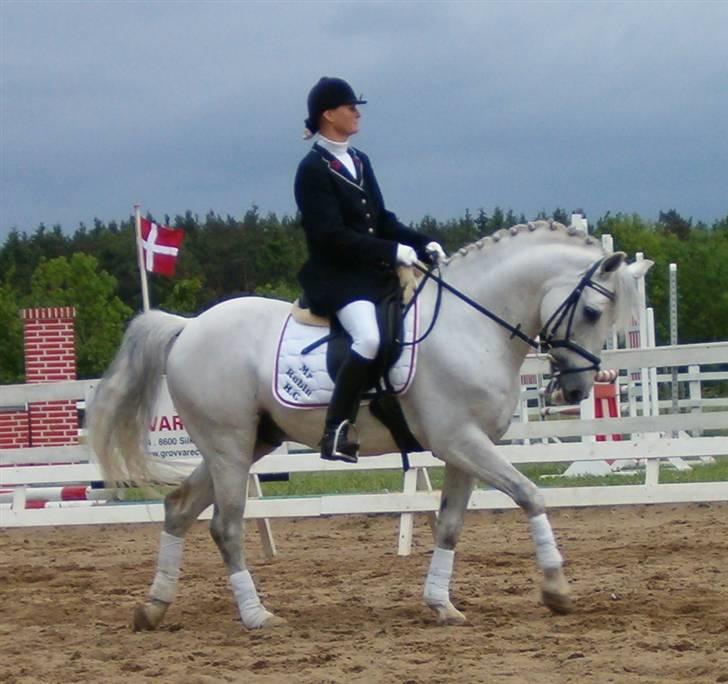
(340, 449)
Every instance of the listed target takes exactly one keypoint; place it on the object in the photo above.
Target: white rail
(653, 442)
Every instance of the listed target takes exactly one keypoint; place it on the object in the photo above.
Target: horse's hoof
(141, 621)
(555, 592)
(558, 603)
(272, 621)
(256, 618)
(449, 615)
(147, 616)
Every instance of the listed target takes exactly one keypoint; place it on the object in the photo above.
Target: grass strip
(544, 475)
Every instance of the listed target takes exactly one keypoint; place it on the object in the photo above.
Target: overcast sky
(619, 106)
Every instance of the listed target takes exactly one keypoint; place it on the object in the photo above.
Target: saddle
(383, 404)
(390, 320)
(389, 312)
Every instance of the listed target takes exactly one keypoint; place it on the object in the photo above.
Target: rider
(354, 246)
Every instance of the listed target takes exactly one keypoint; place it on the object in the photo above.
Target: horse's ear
(613, 262)
(639, 268)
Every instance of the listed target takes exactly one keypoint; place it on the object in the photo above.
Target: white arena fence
(698, 431)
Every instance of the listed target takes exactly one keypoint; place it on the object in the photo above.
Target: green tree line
(95, 270)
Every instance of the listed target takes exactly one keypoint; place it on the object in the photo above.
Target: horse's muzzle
(573, 396)
(567, 386)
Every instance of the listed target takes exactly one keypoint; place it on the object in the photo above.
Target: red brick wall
(50, 355)
(53, 423)
(14, 429)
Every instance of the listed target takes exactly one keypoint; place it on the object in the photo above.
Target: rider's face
(343, 121)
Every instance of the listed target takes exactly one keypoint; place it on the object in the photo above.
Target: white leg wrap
(169, 561)
(547, 554)
(437, 584)
(251, 610)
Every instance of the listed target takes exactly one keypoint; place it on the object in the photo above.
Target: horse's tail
(120, 412)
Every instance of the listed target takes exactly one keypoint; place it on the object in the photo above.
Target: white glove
(406, 255)
(435, 250)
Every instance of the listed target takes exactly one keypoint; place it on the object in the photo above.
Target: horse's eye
(591, 314)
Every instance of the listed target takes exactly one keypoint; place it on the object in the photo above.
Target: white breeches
(359, 319)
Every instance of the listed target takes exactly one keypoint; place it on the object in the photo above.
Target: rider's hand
(435, 250)
(406, 255)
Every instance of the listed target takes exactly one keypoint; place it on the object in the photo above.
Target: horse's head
(578, 312)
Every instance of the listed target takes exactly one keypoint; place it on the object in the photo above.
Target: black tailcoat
(352, 239)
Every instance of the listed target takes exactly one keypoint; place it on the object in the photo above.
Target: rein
(438, 301)
(546, 339)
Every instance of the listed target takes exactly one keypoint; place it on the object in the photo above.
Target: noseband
(546, 338)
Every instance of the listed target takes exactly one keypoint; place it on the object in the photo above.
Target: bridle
(547, 339)
(566, 310)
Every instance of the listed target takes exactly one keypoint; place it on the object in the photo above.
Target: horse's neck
(511, 283)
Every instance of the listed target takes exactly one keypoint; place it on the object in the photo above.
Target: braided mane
(544, 229)
(545, 232)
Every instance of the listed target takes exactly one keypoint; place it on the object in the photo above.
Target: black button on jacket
(352, 238)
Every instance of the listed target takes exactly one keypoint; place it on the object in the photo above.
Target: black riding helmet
(328, 93)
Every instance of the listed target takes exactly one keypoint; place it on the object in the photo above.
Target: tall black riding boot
(350, 384)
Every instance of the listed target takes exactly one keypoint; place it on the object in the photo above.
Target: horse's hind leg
(181, 508)
(456, 491)
(230, 478)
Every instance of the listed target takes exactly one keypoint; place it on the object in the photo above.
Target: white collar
(336, 148)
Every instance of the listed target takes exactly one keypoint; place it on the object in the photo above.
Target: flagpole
(140, 257)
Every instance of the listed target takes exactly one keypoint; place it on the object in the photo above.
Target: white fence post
(264, 528)
(415, 479)
(695, 393)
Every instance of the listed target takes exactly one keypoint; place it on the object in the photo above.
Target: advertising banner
(167, 436)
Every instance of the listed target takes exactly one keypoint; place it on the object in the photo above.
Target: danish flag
(161, 247)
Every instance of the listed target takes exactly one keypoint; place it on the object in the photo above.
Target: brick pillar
(50, 356)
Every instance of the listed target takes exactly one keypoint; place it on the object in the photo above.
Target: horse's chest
(497, 406)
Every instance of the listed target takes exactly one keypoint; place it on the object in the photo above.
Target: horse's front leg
(456, 491)
(472, 451)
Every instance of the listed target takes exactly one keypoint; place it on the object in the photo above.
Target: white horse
(219, 367)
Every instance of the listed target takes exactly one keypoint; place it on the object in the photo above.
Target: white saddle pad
(302, 380)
